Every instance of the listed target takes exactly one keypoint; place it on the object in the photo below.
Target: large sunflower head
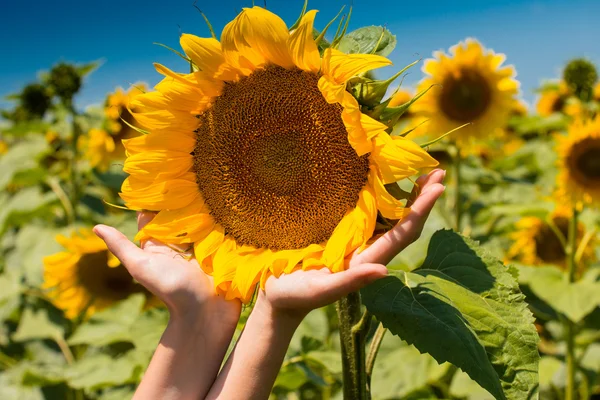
(469, 85)
(579, 162)
(86, 277)
(261, 158)
(537, 241)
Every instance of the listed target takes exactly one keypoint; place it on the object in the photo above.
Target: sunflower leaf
(574, 300)
(37, 324)
(464, 307)
(371, 40)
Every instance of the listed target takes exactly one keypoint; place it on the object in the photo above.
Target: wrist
(222, 317)
(286, 319)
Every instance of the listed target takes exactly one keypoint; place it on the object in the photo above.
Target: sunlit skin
(187, 360)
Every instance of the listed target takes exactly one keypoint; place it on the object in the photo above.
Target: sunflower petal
(256, 36)
(302, 46)
(341, 66)
(206, 53)
(387, 204)
(208, 246)
(159, 165)
(173, 141)
(144, 195)
(184, 225)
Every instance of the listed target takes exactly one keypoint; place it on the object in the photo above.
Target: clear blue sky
(537, 36)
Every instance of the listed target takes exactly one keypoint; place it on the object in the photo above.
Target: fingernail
(98, 231)
(444, 175)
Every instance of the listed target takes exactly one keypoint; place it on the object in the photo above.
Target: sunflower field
(283, 148)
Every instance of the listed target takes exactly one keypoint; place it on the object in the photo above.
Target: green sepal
(429, 143)
(370, 92)
(391, 115)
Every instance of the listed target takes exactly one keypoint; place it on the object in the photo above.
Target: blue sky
(536, 36)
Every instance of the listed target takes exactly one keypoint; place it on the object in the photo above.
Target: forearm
(186, 361)
(252, 367)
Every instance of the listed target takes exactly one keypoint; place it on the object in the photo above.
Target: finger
(128, 253)
(424, 182)
(434, 175)
(143, 217)
(338, 285)
(405, 232)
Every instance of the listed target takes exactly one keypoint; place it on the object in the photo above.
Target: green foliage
(368, 40)
(464, 307)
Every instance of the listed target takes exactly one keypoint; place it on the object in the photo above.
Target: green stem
(353, 328)
(73, 173)
(457, 183)
(570, 390)
(374, 349)
(7, 361)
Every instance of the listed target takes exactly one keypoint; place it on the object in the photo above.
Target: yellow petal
(341, 66)
(256, 36)
(189, 224)
(302, 47)
(225, 262)
(172, 141)
(387, 204)
(248, 273)
(155, 196)
(207, 246)
(159, 165)
(397, 158)
(207, 55)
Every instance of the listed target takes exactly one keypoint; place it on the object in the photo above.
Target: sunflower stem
(457, 193)
(73, 164)
(570, 389)
(373, 350)
(352, 339)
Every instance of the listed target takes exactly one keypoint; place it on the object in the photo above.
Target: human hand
(302, 291)
(173, 276)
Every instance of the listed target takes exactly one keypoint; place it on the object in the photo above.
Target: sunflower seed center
(273, 161)
(465, 96)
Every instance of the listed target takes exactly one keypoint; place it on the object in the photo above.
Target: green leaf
(36, 324)
(27, 204)
(349, 46)
(372, 40)
(314, 325)
(34, 242)
(574, 300)
(110, 325)
(393, 378)
(100, 370)
(464, 387)
(21, 157)
(464, 307)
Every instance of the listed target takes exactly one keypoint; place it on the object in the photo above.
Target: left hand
(302, 291)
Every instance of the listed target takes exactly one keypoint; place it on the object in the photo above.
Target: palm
(173, 276)
(306, 290)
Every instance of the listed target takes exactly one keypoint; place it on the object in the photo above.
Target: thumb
(128, 253)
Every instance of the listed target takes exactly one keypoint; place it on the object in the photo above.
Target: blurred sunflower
(51, 136)
(537, 243)
(470, 85)
(86, 276)
(553, 99)
(597, 92)
(99, 148)
(3, 147)
(102, 146)
(261, 158)
(579, 162)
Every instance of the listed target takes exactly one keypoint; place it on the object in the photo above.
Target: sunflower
(3, 147)
(99, 147)
(261, 158)
(86, 276)
(468, 86)
(553, 99)
(597, 92)
(102, 146)
(579, 162)
(537, 243)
